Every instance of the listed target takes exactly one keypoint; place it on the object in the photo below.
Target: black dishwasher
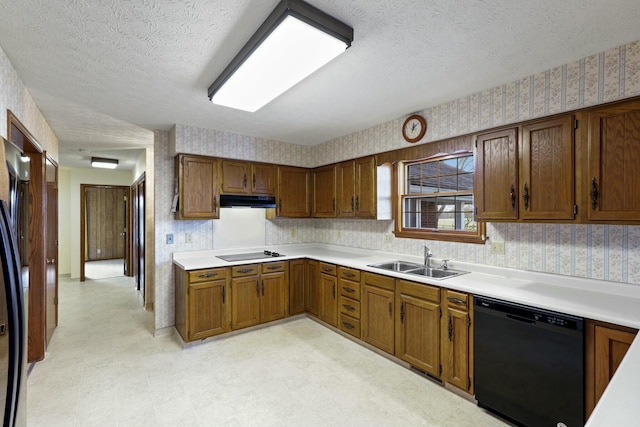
(529, 363)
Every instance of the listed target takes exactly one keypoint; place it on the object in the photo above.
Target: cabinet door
(345, 189)
(613, 159)
(496, 181)
(324, 192)
(418, 333)
(235, 176)
(273, 298)
(311, 292)
(198, 187)
(366, 188)
(456, 348)
(377, 316)
(297, 286)
(207, 309)
(245, 302)
(605, 347)
(293, 192)
(328, 302)
(263, 179)
(547, 170)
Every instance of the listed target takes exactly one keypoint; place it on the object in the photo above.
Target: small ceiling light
(100, 162)
(292, 43)
(24, 158)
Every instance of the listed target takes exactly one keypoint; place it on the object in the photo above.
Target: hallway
(104, 368)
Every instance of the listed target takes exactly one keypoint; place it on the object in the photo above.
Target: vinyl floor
(104, 368)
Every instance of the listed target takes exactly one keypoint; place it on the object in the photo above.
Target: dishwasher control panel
(529, 314)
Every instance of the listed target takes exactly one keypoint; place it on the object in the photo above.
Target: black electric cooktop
(249, 256)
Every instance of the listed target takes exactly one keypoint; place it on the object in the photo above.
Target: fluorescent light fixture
(100, 162)
(24, 158)
(292, 43)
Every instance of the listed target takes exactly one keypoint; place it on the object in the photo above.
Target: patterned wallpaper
(608, 252)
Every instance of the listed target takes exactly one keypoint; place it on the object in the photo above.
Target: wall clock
(414, 128)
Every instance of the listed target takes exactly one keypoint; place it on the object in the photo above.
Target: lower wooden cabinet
(457, 339)
(349, 300)
(377, 311)
(298, 277)
(418, 325)
(328, 294)
(605, 347)
(259, 293)
(201, 303)
(311, 287)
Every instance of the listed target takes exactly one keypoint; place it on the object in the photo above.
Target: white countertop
(612, 302)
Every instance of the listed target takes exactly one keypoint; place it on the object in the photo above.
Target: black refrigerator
(12, 327)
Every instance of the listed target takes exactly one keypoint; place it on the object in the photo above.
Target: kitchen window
(436, 199)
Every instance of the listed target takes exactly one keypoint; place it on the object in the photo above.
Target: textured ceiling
(105, 73)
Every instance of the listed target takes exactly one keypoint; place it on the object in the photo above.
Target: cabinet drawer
(456, 299)
(349, 273)
(349, 289)
(349, 325)
(327, 268)
(245, 270)
(380, 281)
(274, 267)
(349, 306)
(419, 290)
(207, 275)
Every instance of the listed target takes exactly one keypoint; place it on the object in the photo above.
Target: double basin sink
(418, 269)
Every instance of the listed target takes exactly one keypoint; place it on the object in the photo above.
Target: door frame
(138, 189)
(127, 237)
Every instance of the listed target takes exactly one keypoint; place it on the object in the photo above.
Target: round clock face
(414, 128)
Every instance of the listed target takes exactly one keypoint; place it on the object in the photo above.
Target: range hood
(231, 201)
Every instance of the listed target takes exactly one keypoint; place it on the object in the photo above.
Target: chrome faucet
(427, 256)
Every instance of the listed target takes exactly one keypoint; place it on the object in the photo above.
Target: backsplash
(608, 252)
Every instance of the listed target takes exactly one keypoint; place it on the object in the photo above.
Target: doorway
(138, 228)
(104, 224)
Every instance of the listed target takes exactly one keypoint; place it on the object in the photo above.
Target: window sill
(460, 237)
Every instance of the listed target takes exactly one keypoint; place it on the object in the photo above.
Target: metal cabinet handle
(334, 291)
(348, 274)
(206, 275)
(594, 193)
(327, 269)
(263, 288)
(357, 203)
(280, 203)
(257, 288)
(390, 309)
(245, 270)
(349, 307)
(224, 293)
(450, 328)
(457, 300)
(274, 267)
(352, 203)
(348, 289)
(402, 313)
(525, 197)
(244, 181)
(215, 204)
(348, 325)
(254, 180)
(512, 197)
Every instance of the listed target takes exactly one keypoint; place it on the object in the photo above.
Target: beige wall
(69, 213)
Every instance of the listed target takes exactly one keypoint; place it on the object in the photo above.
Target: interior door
(51, 249)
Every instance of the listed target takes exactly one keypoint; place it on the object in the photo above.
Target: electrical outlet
(388, 238)
(188, 238)
(99, 251)
(293, 232)
(339, 234)
(169, 239)
(496, 248)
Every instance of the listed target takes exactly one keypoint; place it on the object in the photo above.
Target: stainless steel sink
(397, 266)
(418, 270)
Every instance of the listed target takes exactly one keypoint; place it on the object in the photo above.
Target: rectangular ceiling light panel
(100, 162)
(293, 47)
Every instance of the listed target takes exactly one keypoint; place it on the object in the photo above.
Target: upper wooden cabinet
(197, 187)
(533, 179)
(324, 192)
(496, 181)
(613, 157)
(356, 188)
(293, 196)
(240, 177)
